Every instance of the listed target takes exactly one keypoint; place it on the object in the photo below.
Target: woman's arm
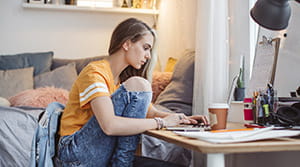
(115, 125)
(154, 112)
(121, 126)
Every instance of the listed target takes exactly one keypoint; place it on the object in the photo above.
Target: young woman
(109, 101)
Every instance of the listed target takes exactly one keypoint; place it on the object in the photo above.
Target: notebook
(240, 136)
(188, 128)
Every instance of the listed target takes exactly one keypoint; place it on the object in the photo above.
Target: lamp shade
(272, 14)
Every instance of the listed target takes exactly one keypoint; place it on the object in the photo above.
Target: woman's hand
(195, 119)
(176, 119)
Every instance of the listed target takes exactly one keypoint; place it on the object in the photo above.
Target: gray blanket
(17, 128)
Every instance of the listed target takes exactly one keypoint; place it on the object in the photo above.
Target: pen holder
(265, 107)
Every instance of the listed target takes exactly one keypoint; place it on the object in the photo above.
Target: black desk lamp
(272, 14)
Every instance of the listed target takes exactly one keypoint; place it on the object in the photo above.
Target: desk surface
(280, 144)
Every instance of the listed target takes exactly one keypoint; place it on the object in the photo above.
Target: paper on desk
(239, 136)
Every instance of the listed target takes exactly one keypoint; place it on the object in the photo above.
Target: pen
(260, 102)
(254, 108)
(253, 126)
(266, 110)
(270, 92)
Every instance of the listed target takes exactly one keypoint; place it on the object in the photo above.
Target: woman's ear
(126, 45)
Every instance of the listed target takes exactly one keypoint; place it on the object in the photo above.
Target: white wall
(74, 34)
(288, 66)
(70, 34)
(176, 28)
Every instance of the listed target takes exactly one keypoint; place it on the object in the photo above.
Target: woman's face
(139, 52)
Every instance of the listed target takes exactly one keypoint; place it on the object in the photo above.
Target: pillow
(40, 97)
(80, 63)
(62, 77)
(159, 81)
(4, 102)
(41, 61)
(178, 95)
(15, 81)
(170, 64)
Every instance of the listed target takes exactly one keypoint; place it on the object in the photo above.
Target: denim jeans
(91, 147)
(43, 143)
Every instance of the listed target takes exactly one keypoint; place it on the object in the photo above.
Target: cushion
(4, 102)
(80, 63)
(14, 81)
(62, 77)
(40, 97)
(178, 95)
(41, 61)
(170, 64)
(159, 81)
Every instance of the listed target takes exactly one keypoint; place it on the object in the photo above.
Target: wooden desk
(215, 152)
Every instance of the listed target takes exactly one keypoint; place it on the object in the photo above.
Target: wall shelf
(90, 9)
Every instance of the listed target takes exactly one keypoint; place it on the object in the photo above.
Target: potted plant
(239, 93)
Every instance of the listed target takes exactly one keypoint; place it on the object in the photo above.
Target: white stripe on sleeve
(93, 92)
(92, 87)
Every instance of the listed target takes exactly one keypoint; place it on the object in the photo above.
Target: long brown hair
(131, 29)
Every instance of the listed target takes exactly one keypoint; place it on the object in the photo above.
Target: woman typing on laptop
(109, 101)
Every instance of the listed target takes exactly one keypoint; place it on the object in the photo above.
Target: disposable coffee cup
(218, 115)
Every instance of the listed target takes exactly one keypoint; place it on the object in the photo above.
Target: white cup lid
(218, 105)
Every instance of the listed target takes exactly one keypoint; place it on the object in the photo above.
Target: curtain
(212, 54)
(253, 37)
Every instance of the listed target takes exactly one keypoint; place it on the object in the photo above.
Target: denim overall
(91, 147)
(43, 143)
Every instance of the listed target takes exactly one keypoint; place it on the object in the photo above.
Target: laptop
(189, 128)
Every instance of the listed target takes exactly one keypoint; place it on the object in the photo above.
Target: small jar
(147, 4)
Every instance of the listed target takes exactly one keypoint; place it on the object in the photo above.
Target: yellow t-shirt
(95, 80)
